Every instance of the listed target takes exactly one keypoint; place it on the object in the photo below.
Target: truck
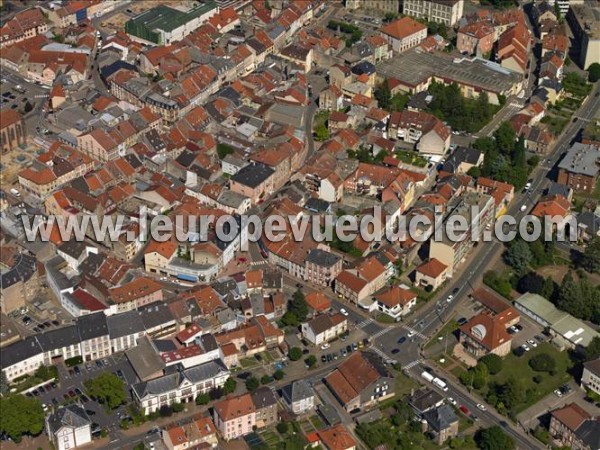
(428, 376)
(439, 383)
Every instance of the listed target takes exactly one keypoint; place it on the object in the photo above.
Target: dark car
(519, 351)
(461, 321)
(402, 339)
(90, 412)
(78, 391)
(55, 323)
(244, 375)
(66, 396)
(349, 348)
(365, 341)
(396, 350)
(54, 401)
(305, 351)
(84, 398)
(323, 358)
(36, 393)
(36, 330)
(77, 370)
(47, 324)
(72, 393)
(455, 291)
(41, 389)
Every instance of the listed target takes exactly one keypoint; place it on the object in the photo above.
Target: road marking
(380, 353)
(258, 263)
(364, 323)
(380, 333)
(414, 331)
(412, 364)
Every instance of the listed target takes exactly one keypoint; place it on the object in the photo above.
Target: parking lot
(16, 97)
(70, 388)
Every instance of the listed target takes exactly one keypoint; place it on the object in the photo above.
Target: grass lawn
(248, 363)
(464, 423)
(516, 367)
(444, 332)
(266, 356)
(412, 158)
(270, 437)
(403, 385)
(384, 318)
(317, 422)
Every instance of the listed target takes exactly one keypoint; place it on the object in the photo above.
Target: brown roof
(9, 117)
(337, 438)
(234, 408)
(403, 27)
(571, 416)
(318, 301)
(396, 295)
(487, 329)
(355, 374)
(432, 268)
(139, 287)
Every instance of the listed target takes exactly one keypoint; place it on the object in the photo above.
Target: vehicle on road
(411, 333)
(451, 401)
(523, 208)
(464, 410)
(402, 339)
(449, 298)
(481, 406)
(344, 312)
(440, 383)
(325, 346)
(528, 185)
(427, 376)
(395, 351)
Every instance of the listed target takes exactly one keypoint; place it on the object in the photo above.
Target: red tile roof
(403, 28)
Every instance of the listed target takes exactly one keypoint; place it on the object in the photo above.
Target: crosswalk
(364, 323)
(259, 263)
(412, 364)
(416, 333)
(385, 357)
(41, 96)
(380, 333)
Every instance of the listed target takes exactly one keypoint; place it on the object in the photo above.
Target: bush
(295, 354)
(252, 384)
(75, 360)
(177, 407)
(543, 363)
(279, 374)
(165, 411)
(493, 363)
(282, 427)
(266, 379)
(202, 399)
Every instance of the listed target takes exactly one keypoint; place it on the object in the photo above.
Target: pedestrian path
(412, 364)
(415, 332)
(385, 357)
(259, 263)
(364, 323)
(380, 333)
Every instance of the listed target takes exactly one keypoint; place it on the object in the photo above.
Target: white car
(452, 401)
(481, 407)
(528, 186)
(411, 333)
(449, 298)
(532, 343)
(525, 347)
(558, 393)
(325, 346)
(523, 208)
(344, 312)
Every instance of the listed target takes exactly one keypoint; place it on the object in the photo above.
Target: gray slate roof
(441, 418)
(72, 416)
(297, 391)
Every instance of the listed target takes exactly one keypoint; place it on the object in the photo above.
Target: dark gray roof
(296, 391)
(593, 366)
(164, 345)
(92, 326)
(124, 324)
(209, 343)
(461, 155)
(322, 258)
(441, 418)
(224, 287)
(258, 303)
(59, 338)
(589, 433)
(22, 270)
(20, 351)
(72, 248)
(317, 205)
(205, 371)
(582, 159)
(424, 400)
(72, 416)
(263, 397)
(330, 414)
(144, 359)
(364, 67)
(155, 315)
(272, 279)
(253, 174)
(558, 189)
(590, 221)
(91, 263)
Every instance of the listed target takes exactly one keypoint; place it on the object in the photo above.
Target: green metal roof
(168, 19)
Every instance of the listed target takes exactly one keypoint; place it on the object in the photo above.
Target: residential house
(299, 396)
(322, 267)
(447, 12)
(486, 333)
(432, 273)
(337, 437)
(200, 432)
(361, 282)
(324, 328)
(235, 417)
(69, 427)
(403, 34)
(265, 404)
(442, 423)
(396, 301)
(254, 181)
(565, 421)
(416, 127)
(360, 381)
(476, 38)
(23, 25)
(591, 376)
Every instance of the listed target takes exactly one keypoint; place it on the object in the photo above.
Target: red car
(464, 410)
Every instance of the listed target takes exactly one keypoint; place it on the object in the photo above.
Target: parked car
(451, 401)
(532, 343)
(464, 410)
(395, 351)
(481, 406)
(462, 321)
(402, 339)
(344, 312)
(525, 347)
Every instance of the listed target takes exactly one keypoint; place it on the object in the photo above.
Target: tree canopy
(591, 255)
(518, 256)
(295, 353)
(107, 388)
(21, 416)
(594, 72)
(580, 298)
(494, 438)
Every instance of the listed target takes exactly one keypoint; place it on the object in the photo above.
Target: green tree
(311, 361)
(165, 411)
(3, 383)
(542, 362)
(282, 427)
(295, 354)
(202, 399)
(591, 255)
(518, 256)
(298, 306)
(494, 439)
(531, 282)
(266, 379)
(20, 416)
(383, 94)
(321, 132)
(108, 388)
(229, 386)
(289, 319)
(178, 407)
(592, 351)
(510, 393)
(474, 172)
(594, 72)
(493, 363)
(279, 374)
(223, 150)
(252, 384)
